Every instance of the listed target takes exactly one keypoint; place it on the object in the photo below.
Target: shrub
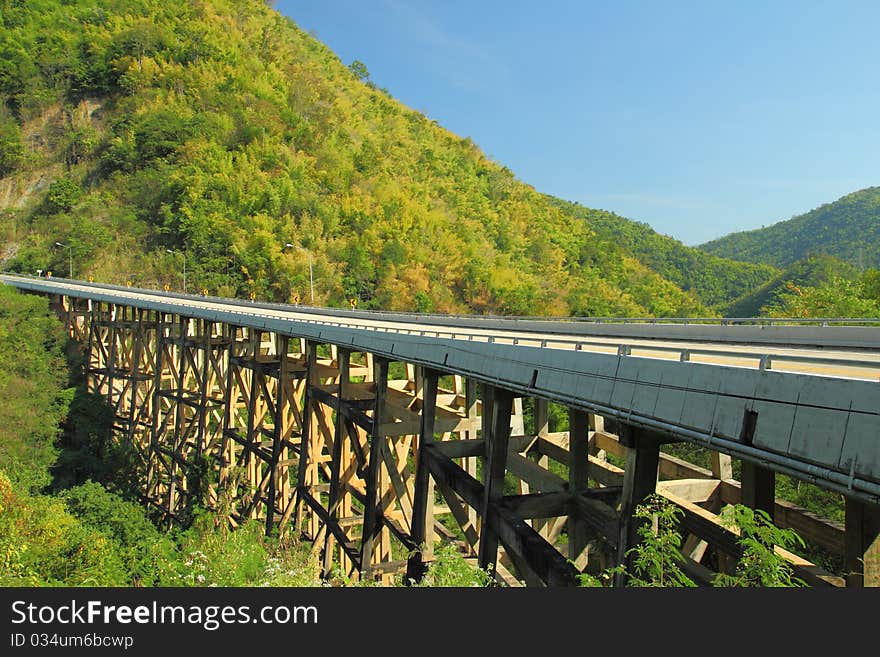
(450, 569)
(63, 194)
(760, 565)
(657, 558)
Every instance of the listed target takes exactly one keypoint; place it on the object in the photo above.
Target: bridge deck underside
(375, 461)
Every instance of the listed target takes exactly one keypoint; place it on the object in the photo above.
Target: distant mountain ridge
(810, 271)
(848, 229)
(222, 132)
(715, 280)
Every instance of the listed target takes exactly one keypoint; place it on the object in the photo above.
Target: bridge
(375, 435)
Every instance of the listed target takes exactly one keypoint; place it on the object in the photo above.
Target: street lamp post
(70, 261)
(311, 276)
(183, 253)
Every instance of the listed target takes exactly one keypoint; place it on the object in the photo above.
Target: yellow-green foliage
(87, 536)
(814, 271)
(222, 129)
(838, 297)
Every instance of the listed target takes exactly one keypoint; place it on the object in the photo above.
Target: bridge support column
(578, 482)
(75, 318)
(175, 439)
(142, 377)
(258, 423)
(423, 503)
(466, 390)
(862, 544)
(336, 506)
(639, 481)
(372, 525)
(541, 429)
(722, 465)
(99, 349)
(497, 407)
(152, 492)
(280, 432)
(307, 477)
(758, 486)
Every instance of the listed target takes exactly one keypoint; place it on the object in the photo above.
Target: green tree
(360, 70)
(63, 194)
(871, 285)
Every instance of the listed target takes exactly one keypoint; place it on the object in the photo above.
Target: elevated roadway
(802, 400)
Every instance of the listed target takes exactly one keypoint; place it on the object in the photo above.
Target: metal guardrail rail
(461, 327)
(446, 317)
(458, 326)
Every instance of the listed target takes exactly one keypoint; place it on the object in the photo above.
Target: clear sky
(698, 118)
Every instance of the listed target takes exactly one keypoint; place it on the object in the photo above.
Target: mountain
(809, 272)
(848, 229)
(714, 280)
(221, 132)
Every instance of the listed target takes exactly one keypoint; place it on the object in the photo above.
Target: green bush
(63, 194)
(657, 558)
(42, 544)
(143, 551)
(450, 569)
(210, 554)
(759, 565)
(32, 379)
(656, 561)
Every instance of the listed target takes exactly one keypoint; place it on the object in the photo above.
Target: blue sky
(698, 118)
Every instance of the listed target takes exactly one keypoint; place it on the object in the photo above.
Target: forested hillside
(219, 130)
(848, 228)
(812, 271)
(713, 279)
